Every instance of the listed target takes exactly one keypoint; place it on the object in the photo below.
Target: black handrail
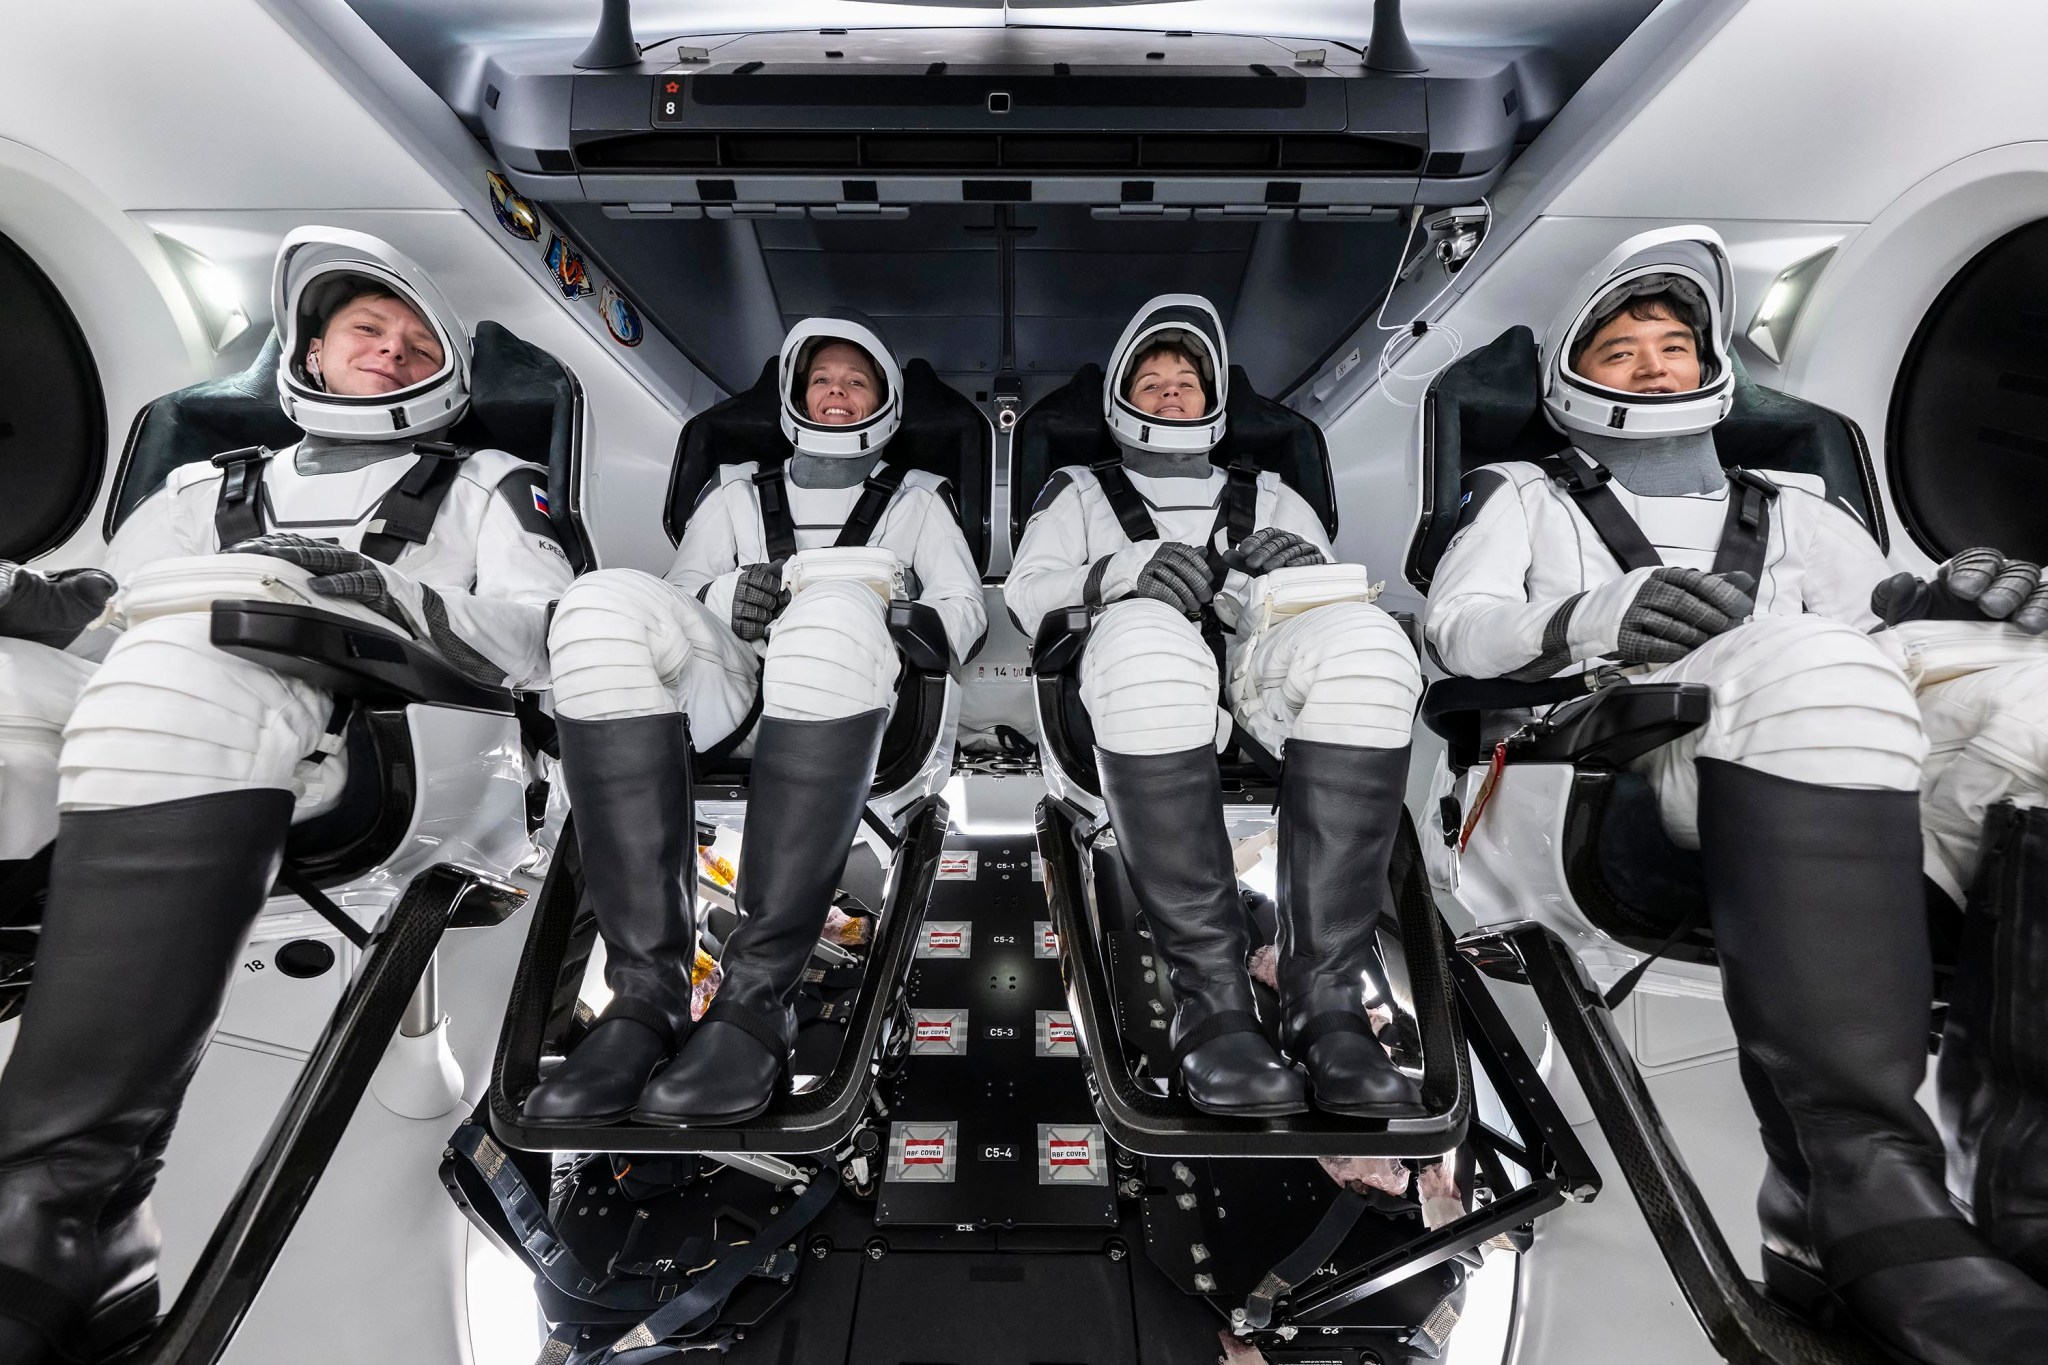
(251, 1234)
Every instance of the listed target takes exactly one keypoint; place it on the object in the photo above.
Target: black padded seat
(1066, 428)
(942, 433)
(1625, 873)
(522, 401)
(1487, 408)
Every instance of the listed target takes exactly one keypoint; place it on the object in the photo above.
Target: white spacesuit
(1161, 541)
(646, 667)
(180, 766)
(1636, 551)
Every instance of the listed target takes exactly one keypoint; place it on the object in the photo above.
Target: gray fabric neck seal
(1658, 466)
(821, 471)
(1161, 464)
(325, 455)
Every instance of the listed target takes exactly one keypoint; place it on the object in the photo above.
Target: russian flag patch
(540, 502)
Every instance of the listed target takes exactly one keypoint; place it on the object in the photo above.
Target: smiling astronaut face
(1643, 348)
(841, 388)
(373, 344)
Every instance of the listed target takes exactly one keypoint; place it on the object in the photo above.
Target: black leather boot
(1993, 1075)
(1339, 809)
(809, 782)
(636, 829)
(1168, 814)
(148, 910)
(1814, 894)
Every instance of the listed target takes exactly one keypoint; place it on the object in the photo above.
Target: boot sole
(1402, 1110)
(682, 1121)
(584, 1121)
(1797, 1290)
(1250, 1111)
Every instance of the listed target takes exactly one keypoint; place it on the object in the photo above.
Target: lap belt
(778, 527)
(1337, 1221)
(1745, 535)
(404, 518)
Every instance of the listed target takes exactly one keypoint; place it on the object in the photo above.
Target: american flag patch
(540, 502)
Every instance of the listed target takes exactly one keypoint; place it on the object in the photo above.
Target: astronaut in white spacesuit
(647, 667)
(179, 767)
(1805, 790)
(1161, 540)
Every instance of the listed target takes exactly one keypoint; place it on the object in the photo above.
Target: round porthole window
(1967, 446)
(53, 417)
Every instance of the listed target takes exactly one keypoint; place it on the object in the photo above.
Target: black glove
(1678, 610)
(337, 572)
(50, 609)
(1178, 575)
(1974, 585)
(757, 599)
(1261, 552)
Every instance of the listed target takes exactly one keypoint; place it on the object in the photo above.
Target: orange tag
(1486, 786)
(716, 868)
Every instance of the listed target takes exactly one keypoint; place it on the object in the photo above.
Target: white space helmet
(1690, 263)
(793, 371)
(318, 270)
(1192, 323)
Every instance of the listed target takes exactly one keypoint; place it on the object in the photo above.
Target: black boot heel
(1793, 1286)
(122, 1326)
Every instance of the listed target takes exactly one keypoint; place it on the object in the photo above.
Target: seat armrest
(920, 633)
(1062, 634)
(347, 657)
(1615, 725)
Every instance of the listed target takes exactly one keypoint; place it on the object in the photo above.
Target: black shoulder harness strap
(1237, 513)
(238, 513)
(778, 526)
(405, 517)
(1586, 483)
(1745, 536)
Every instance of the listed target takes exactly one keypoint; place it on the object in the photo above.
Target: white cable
(1386, 362)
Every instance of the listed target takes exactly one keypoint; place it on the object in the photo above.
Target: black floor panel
(995, 1310)
(989, 1120)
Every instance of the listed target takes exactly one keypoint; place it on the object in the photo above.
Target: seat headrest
(1486, 408)
(943, 433)
(1065, 428)
(522, 401)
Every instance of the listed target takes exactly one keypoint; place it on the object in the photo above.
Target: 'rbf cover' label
(1071, 1154)
(1044, 942)
(947, 938)
(923, 1151)
(959, 865)
(1056, 1034)
(938, 1033)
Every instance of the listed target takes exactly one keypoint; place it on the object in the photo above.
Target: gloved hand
(1169, 571)
(50, 609)
(1263, 551)
(758, 597)
(345, 574)
(1654, 616)
(1974, 585)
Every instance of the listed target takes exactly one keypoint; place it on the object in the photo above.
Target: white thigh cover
(1987, 734)
(1149, 681)
(1337, 674)
(39, 686)
(625, 643)
(1800, 697)
(168, 716)
(830, 655)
